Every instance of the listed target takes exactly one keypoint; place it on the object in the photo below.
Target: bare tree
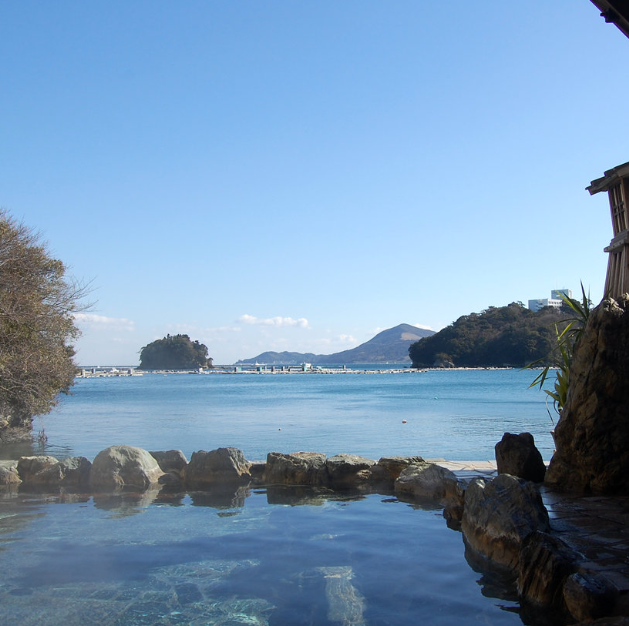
(37, 329)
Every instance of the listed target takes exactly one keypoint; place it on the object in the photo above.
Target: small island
(174, 352)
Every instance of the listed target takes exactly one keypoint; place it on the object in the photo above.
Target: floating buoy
(403, 421)
(279, 429)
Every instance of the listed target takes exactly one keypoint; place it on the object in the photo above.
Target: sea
(263, 556)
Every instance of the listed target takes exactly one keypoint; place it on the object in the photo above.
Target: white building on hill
(554, 300)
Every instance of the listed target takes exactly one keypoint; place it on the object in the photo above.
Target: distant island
(388, 346)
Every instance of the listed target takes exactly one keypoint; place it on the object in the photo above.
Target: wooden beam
(615, 12)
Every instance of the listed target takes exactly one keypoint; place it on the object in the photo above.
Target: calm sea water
(275, 556)
(456, 415)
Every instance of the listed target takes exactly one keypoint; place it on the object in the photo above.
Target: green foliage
(37, 307)
(567, 335)
(176, 352)
(499, 336)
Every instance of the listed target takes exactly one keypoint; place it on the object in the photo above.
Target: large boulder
(518, 456)
(220, 466)
(592, 434)
(428, 480)
(120, 467)
(299, 468)
(498, 516)
(349, 470)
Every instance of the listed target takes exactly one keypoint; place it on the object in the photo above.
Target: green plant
(561, 361)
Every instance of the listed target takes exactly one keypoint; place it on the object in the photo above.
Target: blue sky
(275, 175)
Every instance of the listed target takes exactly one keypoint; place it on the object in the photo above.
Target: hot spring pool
(288, 556)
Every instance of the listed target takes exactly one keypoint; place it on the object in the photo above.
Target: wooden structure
(616, 183)
(615, 12)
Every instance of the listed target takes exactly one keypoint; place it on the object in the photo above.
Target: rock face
(220, 466)
(300, 468)
(120, 467)
(499, 515)
(518, 456)
(592, 435)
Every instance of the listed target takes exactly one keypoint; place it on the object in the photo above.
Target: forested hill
(388, 346)
(499, 336)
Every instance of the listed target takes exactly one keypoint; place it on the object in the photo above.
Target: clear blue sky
(276, 175)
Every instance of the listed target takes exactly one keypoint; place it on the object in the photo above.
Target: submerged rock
(498, 516)
(518, 456)
(120, 467)
(220, 466)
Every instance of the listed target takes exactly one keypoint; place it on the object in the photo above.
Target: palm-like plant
(567, 339)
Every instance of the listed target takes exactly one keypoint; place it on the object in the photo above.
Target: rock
(428, 480)
(592, 434)
(257, 470)
(544, 566)
(388, 468)
(498, 516)
(518, 456)
(8, 473)
(75, 472)
(120, 467)
(300, 468)
(588, 596)
(349, 470)
(220, 466)
(170, 460)
(28, 467)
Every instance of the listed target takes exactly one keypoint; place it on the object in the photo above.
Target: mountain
(388, 346)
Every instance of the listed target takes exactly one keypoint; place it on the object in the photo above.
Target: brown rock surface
(518, 456)
(592, 435)
(498, 515)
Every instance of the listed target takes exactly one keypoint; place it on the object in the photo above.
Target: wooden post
(616, 183)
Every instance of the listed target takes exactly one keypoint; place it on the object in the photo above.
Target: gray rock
(518, 456)
(592, 434)
(28, 467)
(170, 460)
(220, 466)
(428, 480)
(120, 467)
(498, 516)
(349, 470)
(299, 468)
